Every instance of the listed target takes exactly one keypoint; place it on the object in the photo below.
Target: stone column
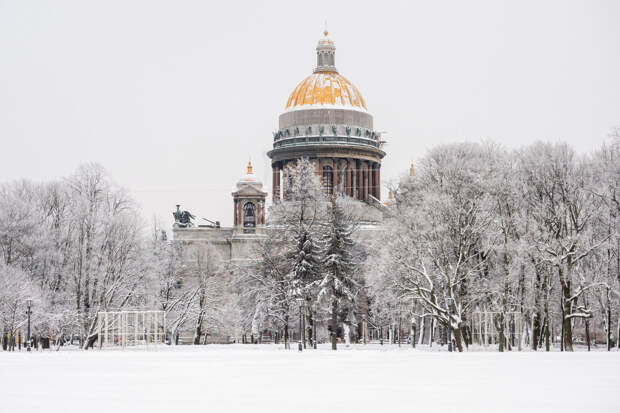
(234, 212)
(274, 172)
(371, 178)
(334, 176)
(347, 180)
(283, 181)
(262, 211)
(375, 180)
(378, 196)
(360, 181)
(342, 176)
(353, 176)
(238, 213)
(277, 190)
(365, 180)
(258, 212)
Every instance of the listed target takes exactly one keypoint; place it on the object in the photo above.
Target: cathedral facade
(326, 120)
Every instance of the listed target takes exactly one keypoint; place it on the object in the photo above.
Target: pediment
(250, 190)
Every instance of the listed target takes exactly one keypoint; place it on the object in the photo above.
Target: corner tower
(326, 120)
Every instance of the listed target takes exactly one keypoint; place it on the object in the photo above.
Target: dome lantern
(325, 55)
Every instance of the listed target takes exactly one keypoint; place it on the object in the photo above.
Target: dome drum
(352, 118)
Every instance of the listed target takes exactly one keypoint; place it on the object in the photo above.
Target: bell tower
(249, 203)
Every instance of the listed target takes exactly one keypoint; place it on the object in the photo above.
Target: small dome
(324, 89)
(249, 178)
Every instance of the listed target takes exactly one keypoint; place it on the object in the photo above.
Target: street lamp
(28, 313)
(300, 301)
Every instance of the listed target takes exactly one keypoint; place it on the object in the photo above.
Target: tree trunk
(618, 333)
(535, 330)
(618, 276)
(568, 334)
(562, 328)
(567, 305)
(286, 343)
(586, 322)
(198, 330)
(458, 338)
(421, 339)
(536, 316)
(303, 329)
(547, 320)
(502, 327)
(334, 323)
(310, 328)
(608, 317)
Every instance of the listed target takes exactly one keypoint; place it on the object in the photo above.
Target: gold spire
(390, 195)
(325, 32)
(411, 170)
(249, 167)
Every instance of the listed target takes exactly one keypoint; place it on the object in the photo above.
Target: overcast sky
(173, 98)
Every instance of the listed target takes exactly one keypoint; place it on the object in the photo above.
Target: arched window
(328, 180)
(249, 215)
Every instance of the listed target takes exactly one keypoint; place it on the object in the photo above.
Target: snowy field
(266, 378)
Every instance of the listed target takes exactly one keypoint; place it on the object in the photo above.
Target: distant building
(325, 120)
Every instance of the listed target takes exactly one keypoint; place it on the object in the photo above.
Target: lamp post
(300, 301)
(28, 313)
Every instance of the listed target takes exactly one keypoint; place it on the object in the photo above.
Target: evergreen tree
(300, 215)
(338, 287)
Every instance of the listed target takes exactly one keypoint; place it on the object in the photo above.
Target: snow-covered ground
(266, 378)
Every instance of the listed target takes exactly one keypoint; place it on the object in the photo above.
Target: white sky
(174, 97)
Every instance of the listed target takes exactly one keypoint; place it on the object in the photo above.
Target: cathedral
(326, 120)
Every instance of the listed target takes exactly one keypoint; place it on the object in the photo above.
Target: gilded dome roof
(325, 88)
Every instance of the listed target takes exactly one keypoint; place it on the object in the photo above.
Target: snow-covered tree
(15, 289)
(206, 271)
(266, 289)
(339, 286)
(300, 216)
(559, 191)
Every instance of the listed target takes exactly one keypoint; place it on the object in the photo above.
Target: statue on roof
(182, 219)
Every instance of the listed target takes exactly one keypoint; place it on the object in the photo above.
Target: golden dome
(326, 89)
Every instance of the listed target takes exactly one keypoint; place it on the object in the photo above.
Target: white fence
(130, 328)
